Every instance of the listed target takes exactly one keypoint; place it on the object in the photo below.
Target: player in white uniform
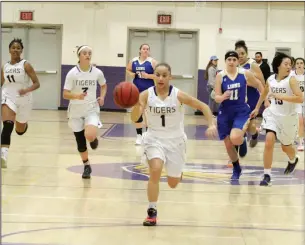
(280, 119)
(165, 141)
(84, 107)
(299, 74)
(16, 77)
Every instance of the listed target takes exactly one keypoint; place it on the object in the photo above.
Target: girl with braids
(16, 105)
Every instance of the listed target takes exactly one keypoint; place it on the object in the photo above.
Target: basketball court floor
(45, 200)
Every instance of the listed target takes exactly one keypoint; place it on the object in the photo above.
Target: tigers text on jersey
(237, 86)
(16, 78)
(79, 82)
(280, 107)
(165, 117)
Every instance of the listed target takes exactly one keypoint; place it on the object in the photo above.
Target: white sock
(267, 171)
(292, 160)
(301, 140)
(152, 205)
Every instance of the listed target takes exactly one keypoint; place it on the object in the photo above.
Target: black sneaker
(151, 219)
(291, 166)
(94, 144)
(266, 180)
(254, 140)
(87, 172)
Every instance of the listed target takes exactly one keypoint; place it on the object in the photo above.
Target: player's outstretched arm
(254, 82)
(138, 109)
(186, 99)
(68, 86)
(261, 99)
(298, 96)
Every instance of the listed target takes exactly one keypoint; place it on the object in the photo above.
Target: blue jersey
(238, 88)
(233, 112)
(253, 93)
(142, 66)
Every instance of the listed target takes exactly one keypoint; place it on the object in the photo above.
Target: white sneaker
(301, 146)
(4, 153)
(99, 125)
(139, 139)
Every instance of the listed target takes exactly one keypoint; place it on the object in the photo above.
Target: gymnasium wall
(104, 27)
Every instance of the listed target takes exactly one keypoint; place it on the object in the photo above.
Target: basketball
(125, 94)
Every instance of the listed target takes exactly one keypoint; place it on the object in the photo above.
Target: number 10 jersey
(165, 118)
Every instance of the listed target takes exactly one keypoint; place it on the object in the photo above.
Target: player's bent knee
(270, 140)
(286, 148)
(81, 141)
(24, 130)
(173, 182)
(7, 130)
(237, 139)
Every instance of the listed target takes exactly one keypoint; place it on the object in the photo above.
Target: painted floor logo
(195, 173)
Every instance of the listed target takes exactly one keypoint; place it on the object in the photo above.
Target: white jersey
(299, 78)
(165, 117)
(15, 78)
(79, 82)
(280, 107)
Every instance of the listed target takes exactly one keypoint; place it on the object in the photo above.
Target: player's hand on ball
(101, 101)
(211, 132)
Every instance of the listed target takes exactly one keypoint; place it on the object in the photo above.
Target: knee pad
(140, 119)
(21, 133)
(81, 141)
(7, 130)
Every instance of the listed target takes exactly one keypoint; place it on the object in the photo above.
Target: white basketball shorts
(286, 127)
(81, 115)
(171, 151)
(21, 105)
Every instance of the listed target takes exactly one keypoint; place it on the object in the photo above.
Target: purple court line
(159, 225)
(105, 134)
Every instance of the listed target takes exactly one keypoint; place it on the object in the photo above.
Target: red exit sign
(26, 15)
(164, 19)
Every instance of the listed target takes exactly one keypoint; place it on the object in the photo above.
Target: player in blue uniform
(234, 112)
(253, 94)
(142, 68)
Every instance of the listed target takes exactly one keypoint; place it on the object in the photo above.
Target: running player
(234, 112)
(165, 140)
(84, 107)
(141, 68)
(299, 74)
(280, 120)
(16, 77)
(252, 93)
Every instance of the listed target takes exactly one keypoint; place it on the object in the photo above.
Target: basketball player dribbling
(299, 74)
(84, 107)
(141, 68)
(252, 93)
(17, 102)
(234, 112)
(280, 119)
(165, 141)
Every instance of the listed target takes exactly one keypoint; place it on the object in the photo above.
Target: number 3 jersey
(15, 78)
(281, 107)
(165, 118)
(78, 82)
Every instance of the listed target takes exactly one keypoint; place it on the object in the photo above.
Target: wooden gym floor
(45, 200)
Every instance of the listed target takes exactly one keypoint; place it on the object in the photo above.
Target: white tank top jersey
(79, 82)
(299, 78)
(280, 107)
(15, 78)
(165, 117)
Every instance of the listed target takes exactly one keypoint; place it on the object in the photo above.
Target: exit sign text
(164, 19)
(26, 15)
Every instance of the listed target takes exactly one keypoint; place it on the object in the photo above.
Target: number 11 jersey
(165, 118)
(15, 78)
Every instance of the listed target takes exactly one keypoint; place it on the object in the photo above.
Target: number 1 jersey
(15, 78)
(165, 118)
(78, 82)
